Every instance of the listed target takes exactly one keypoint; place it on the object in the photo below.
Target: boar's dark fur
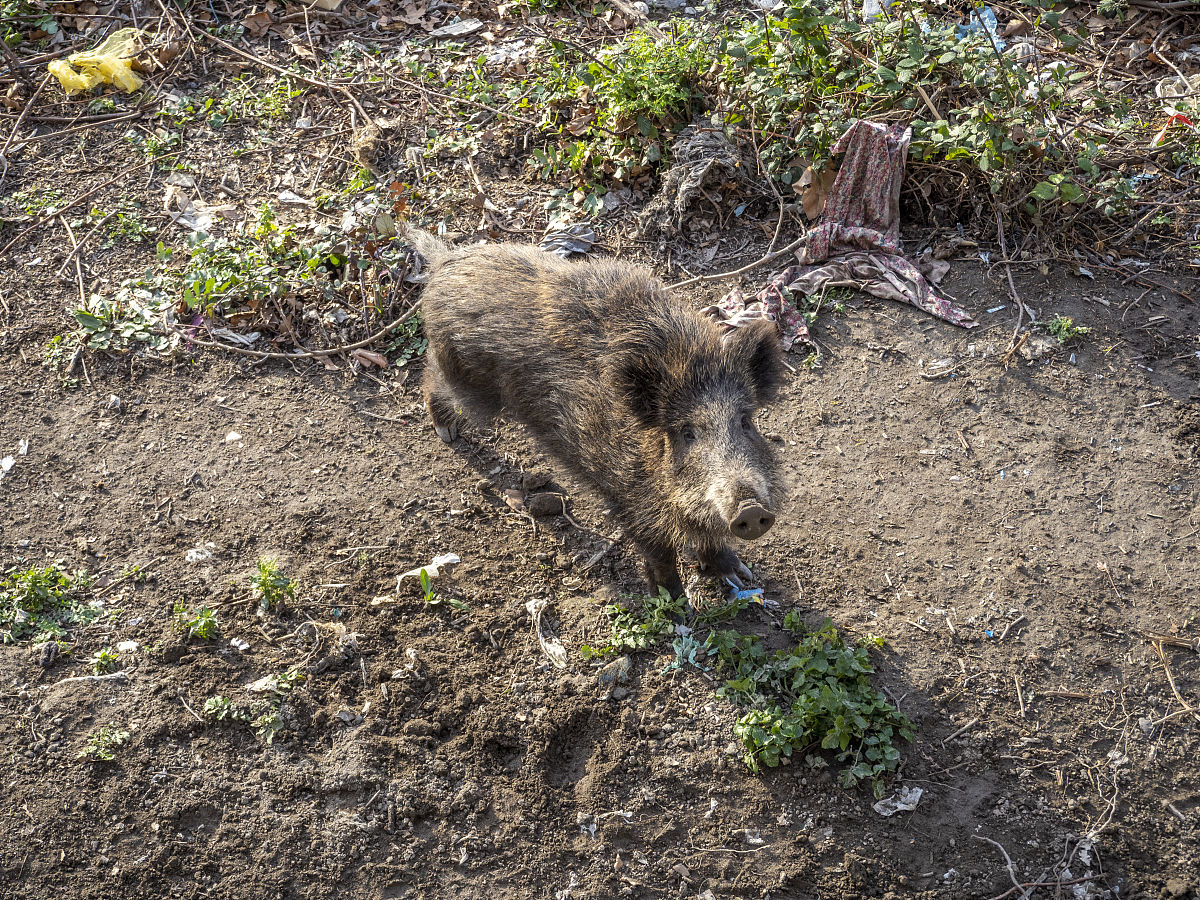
(633, 393)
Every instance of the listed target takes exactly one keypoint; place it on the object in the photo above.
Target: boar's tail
(426, 244)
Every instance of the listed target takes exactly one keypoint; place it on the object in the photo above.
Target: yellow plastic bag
(110, 63)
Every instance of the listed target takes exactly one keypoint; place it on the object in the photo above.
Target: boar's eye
(688, 434)
(747, 423)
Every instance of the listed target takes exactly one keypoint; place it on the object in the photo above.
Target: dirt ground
(444, 756)
(1013, 528)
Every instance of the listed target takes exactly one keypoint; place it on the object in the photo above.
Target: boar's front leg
(661, 568)
(724, 563)
(439, 401)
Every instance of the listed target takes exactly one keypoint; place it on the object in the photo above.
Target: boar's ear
(755, 351)
(639, 377)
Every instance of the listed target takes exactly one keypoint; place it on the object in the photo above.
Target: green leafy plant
(793, 80)
(41, 604)
(133, 317)
(263, 716)
(156, 143)
(432, 598)
(202, 623)
(1064, 330)
(104, 660)
(22, 19)
(34, 201)
(408, 342)
(103, 744)
(638, 629)
(270, 586)
(267, 724)
(816, 693)
(221, 709)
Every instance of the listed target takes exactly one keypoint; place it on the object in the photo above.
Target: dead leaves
(368, 358)
(813, 189)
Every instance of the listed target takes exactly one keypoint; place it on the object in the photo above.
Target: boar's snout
(751, 521)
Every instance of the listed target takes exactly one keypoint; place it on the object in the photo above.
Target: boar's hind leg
(439, 402)
(724, 563)
(661, 568)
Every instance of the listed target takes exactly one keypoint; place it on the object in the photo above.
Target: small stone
(544, 505)
(532, 481)
(616, 672)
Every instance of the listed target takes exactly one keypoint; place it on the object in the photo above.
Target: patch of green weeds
(638, 629)
(221, 709)
(103, 744)
(136, 574)
(361, 181)
(104, 660)
(247, 278)
(131, 317)
(245, 98)
(57, 354)
(613, 111)
(263, 716)
(201, 623)
(156, 143)
(793, 81)
(270, 587)
(41, 604)
(34, 201)
(723, 612)
(816, 693)
(408, 342)
(282, 683)
(267, 724)
(125, 224)
(1064, 330)
(22, 20)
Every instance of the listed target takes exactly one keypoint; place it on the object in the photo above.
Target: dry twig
(744, 269)
(1012, 872)
(307, 354)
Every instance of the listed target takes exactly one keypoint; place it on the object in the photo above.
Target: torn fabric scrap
(855, 244)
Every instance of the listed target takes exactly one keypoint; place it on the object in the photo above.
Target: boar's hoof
(447, 433)
(751, 521)
(743, 571)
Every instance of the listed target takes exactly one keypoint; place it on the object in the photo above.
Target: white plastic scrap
(572, 883)
(551, 646)
(441, 565)
(586, 823)
(236, 337)
(201, 553)
(569, 239)
(904, 800)
(127, 647)
(6, 465)
(239, 644)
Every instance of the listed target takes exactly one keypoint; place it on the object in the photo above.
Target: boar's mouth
(751, 521)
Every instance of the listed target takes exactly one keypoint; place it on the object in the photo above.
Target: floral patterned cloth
(855, 244)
